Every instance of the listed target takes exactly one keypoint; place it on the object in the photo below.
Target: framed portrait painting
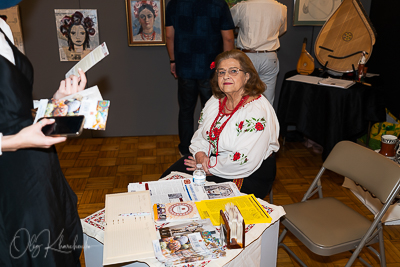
(77, 33)
(145, 22)
(313, 12)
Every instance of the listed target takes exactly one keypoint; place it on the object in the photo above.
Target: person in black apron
(39, 222)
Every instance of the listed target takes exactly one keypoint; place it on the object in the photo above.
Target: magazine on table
(179, 190)
(88, 102)
(251, 210)
(188, 242)
(170, 212)
(176, 229)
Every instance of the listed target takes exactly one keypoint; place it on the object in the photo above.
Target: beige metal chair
(271, 197)
(326, 226)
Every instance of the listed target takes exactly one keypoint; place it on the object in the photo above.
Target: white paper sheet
(170, 191)
(128, 238)
(339, 83)
(90, 60)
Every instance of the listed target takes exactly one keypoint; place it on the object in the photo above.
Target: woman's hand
(201, 158)
(173, 70)
(31, 136)
(191, 163)
(71, 85)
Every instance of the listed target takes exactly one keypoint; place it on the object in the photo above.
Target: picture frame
(145, 22)
(12, 16)
(313, 12)
(77, 33)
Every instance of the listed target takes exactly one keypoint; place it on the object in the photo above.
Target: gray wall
(136, 80)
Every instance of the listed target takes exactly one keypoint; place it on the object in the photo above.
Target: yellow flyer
(251, 210)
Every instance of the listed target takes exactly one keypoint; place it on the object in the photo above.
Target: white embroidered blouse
(249, 137)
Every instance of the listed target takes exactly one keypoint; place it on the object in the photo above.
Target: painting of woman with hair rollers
(77, 32)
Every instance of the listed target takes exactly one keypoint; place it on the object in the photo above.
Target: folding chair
(326, 226)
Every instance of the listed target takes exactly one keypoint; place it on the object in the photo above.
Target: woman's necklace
(217, 131)
(227, 109)
(148, 36)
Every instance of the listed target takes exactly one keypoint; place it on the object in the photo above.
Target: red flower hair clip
(212, 66)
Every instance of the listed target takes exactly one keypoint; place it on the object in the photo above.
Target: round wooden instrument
(305, 64)
(344, 36)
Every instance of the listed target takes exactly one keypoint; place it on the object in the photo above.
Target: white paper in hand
(90, 60)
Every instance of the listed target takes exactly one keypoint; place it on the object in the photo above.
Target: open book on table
(129, 229)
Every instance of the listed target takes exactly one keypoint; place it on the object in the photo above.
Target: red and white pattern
(97, 220)
(93, 226)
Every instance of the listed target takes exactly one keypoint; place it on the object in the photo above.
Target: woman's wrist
(10, 143)
(172, 61)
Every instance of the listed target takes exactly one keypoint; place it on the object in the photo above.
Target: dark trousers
(258, 183)
(188, 91)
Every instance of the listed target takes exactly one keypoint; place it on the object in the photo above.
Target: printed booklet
(179, 190)
(88, 102)
(188, 242)
(169, 212)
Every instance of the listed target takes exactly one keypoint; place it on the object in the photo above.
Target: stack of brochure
(188, 243)
(192, 240)
(249, 207)
(179, 190)
(88, 102)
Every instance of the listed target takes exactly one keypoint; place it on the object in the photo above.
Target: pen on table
(135, 214)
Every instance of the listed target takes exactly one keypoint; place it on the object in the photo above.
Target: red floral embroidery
(259, 126)
(250, 125)
(216, 133)
(236, 156)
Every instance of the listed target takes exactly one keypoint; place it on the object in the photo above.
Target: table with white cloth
(261, 241)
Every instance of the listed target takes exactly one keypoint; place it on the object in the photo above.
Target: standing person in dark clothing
(196, 31)
(39, 222)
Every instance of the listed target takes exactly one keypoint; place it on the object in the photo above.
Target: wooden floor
(100, 166)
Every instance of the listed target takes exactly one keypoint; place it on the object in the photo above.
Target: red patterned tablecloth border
(97, 220)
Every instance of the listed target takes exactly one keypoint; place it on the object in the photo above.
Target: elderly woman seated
(238, 130)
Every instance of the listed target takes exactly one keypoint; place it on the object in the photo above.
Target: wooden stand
(231, 243)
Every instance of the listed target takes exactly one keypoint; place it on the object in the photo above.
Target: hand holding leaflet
(90, 60)
(88, 103)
